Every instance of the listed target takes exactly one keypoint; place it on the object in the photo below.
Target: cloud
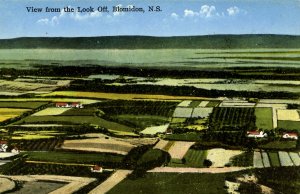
(205, 11)
(190, 13)
(44, 21)
(233, 11)
(174, 16)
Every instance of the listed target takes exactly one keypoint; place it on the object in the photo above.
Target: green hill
(148, 42)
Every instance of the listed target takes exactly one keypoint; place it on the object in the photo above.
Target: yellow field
(116, 96)
(288, 115)
(8, 113)
(82, 101)
(51, 111)
(35, 135)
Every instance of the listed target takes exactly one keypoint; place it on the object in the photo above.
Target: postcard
(164, 97)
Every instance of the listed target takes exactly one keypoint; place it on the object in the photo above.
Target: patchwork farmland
(275, 159)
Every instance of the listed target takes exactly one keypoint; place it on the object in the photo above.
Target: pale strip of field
(82, 101)
(185, 103)
(257, 160)
(201, 112)
(6, 185)
(117, 96)
(7, 154)
(98, 145)
(181, 112)
(274, 118)
(12, 93)
(288, 115)
(155, 129)
(10, 111)
(75, 183)
(203, 103)
(133, 141)
(266, 160)
(40, 125)
(161, 144)
(51, 111)
(295, 158)
(220, 157)
(179, 149)
(17, 86)
(111, 182)
(236, 104)
(268, 105)
(6, 117)
(285, 159)
(279, 101)
(197, 170)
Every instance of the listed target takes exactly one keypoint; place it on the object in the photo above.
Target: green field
(141, 121)
(75, 120)
(80, 112)
(193, 158)
(289, 125)
(244, 159)
(213, 103)
(279, 145)
(264, 118)
(190, 136)
(274, 159)
(75, 157)
(194, 103)
(173, 183)
(26, 105)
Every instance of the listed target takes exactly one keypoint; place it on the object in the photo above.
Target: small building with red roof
(290, 135)
(256, 134)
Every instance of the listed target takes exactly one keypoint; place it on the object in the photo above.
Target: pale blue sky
(178, 18)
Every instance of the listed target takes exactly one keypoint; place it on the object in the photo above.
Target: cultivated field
(25, 105)
(288, 115)
(275, 159)
(116, 96)
(74, 120)
(225, 117)
(32, 135)
(35, 100)
(179, 149)
(73, 158)
(264, 118)
(98, 145)
(22, 85)
(220, 157)
(51, 111)
(65, 184)
(9, 113)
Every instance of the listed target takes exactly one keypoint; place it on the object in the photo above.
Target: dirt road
(198, 170)
(112, 181)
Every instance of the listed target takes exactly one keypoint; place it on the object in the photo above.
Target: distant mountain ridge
(150, 42)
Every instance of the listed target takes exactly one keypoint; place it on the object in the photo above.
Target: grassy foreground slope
(148, 42)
